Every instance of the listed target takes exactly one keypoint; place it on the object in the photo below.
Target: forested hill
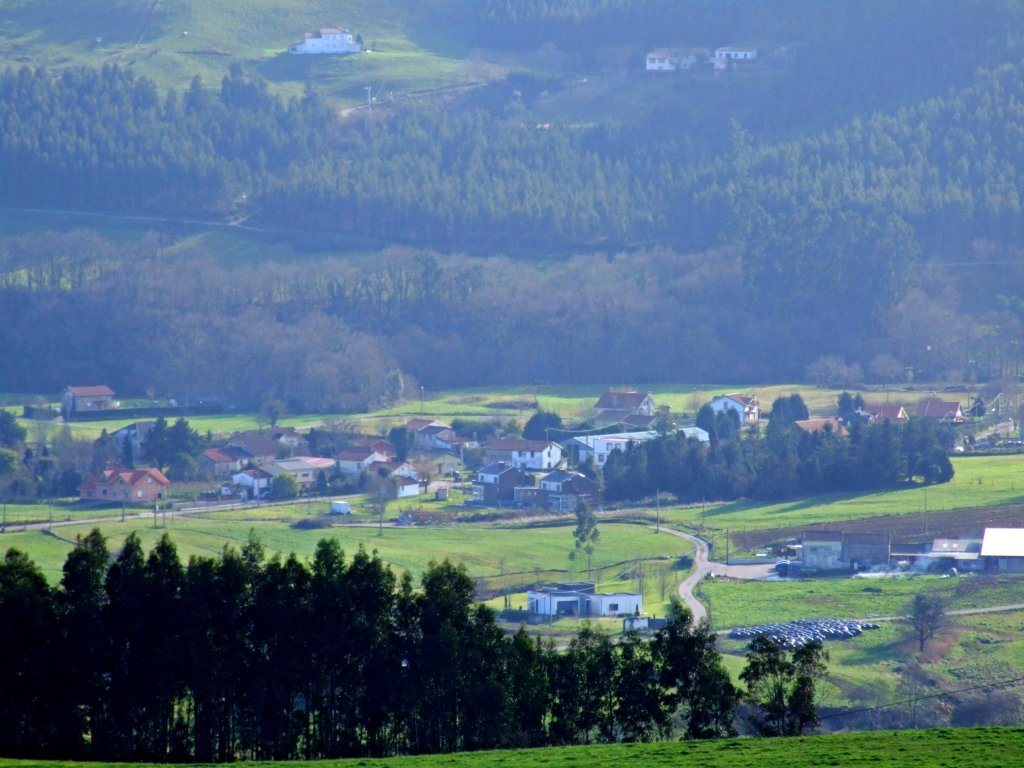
(928, 178)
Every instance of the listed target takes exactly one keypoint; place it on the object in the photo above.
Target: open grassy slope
(171, 42)
(979, 481)
(963, 747)
(485, 551)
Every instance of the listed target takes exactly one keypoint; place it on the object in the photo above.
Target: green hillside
(962, 747)
(172, 42)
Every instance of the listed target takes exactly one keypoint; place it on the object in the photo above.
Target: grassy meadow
(486, 551)
(959, 747)
(975, 649)
(173, 42)
(979, 481)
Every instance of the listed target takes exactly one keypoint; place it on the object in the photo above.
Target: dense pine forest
(145, 658)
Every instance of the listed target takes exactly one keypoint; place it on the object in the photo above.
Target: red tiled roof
(354, 454)
(98, 391)
(217, 456)
(129, 477)
(415, 425)
(887, 412)
(628, 399)
(835, 426)
(940, 409)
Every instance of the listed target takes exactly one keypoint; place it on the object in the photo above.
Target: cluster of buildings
(675, 59)
(998, 550)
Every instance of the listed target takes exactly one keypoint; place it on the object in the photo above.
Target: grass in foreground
(960, 747)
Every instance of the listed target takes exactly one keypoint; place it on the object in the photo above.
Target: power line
(998, 684)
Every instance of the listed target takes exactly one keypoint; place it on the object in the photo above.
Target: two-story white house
(353, 461)
(525, 454)
(327, 40)
(745, 406)
(598, 447)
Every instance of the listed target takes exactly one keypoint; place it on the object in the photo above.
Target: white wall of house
(333, 41)
(736, 54)
(615, 604)
(826, 555)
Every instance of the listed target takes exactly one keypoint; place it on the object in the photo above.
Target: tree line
(330, 336)
(144, 658)
(786, 463)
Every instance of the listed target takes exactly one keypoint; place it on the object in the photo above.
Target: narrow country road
(701, 567)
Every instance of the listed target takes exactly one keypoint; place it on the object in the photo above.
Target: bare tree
(927, 615)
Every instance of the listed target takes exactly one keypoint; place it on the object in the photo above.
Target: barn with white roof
(1003, 549)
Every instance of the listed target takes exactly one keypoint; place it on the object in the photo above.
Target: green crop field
(953, 747)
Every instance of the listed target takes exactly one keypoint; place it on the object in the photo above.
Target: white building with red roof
(132, 486)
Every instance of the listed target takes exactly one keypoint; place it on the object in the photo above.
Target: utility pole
(726, 546)
(369, 97)
(657, 496)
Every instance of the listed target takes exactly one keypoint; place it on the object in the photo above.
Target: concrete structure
(824, 426)
(560, 490)
(822, 550)
(82, 399)
(497, 483)
(625, 406)
(252, 481)
(525, 454)
(735, 53)
(431, 435)
(597, 447)
(354, 461)
(673, 59)
(304, 469)
(745, 406)
(1003, 549)
(327, 40)
(581, 600)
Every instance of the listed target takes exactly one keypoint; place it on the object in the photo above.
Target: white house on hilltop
(327, 40)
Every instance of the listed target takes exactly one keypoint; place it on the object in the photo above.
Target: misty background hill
(522, 203)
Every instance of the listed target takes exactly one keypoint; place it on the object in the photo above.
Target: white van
(340, 508)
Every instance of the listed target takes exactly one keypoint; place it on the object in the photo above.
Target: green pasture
(172, 42)
(573, 403)
(979, 481)
(746, 603)
(975, 649)
(966, 747)
(485, 551)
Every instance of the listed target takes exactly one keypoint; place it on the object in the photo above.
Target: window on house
(613, 606)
